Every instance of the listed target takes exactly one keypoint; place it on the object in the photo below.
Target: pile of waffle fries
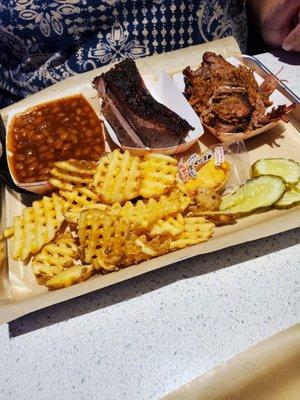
(105, 216)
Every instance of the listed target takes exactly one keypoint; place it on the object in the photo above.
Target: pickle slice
(288, 170)
(256, 193)
(290, 198)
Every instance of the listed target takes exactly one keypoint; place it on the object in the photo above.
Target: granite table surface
(143, 338)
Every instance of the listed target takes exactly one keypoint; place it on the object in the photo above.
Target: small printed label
(183, 171)
(189, 169)
(219, 155)
(192, 161)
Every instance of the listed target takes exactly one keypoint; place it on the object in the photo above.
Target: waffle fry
(171, 225)
(79, 199)
(103, 237)
(117, 178)
(109, 243)
(113, 232)
(72, 215)
(142, 249)
(75, 274)
(55, 257)
(196, 230)
(158, 173)
(145, 214)
(90, 233)
(73, 173)
(36, 227)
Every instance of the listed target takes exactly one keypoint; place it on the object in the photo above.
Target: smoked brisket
(133, 113)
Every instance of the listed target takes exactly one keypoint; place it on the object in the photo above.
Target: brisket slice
(153, 133)
(136, 110)
(153, 123)
(130, 69)
(126, 134)
(138, 90)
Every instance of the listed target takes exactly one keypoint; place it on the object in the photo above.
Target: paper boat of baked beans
(164, 91)
(21, 139)
(277, 99)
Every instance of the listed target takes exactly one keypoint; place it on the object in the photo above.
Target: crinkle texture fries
(75, 274)
(121, 177)
(168, 226)
(36, 227)
(117, 177)
(55, 257)
(79, 199)
(158, 173)
(74, 173)
(108, 215)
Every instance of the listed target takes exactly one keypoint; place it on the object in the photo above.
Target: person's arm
(279, 22)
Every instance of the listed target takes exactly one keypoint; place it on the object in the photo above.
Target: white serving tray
(19, 292)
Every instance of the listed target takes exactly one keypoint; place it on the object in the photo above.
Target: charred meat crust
(153, 124)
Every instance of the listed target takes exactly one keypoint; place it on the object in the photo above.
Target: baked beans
(54, 131)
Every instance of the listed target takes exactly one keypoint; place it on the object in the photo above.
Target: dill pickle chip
(290, 198)
(288, 170)
(256, 193)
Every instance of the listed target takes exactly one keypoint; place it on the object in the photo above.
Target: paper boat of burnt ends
(146, 114)
(254, 106)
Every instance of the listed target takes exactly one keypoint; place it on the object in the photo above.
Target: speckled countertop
(143, 338)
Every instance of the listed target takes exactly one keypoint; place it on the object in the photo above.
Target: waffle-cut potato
(142, 249)
(103, 237)
(73, 173)
(155, 247)
(145, 214)
(117, 178)
(109, 243)
(210, 176)
(138, 249)
(70, 276)
(158, 173)
(196, 230)
(78, 199)
(72, 215)
(96, 234)
(55, 257)
(37, 226)
(170, 225)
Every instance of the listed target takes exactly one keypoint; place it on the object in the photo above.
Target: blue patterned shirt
(44, 41)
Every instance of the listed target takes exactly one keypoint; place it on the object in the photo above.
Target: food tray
(282, 141)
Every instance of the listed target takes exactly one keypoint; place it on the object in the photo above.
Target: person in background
(42, 42)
